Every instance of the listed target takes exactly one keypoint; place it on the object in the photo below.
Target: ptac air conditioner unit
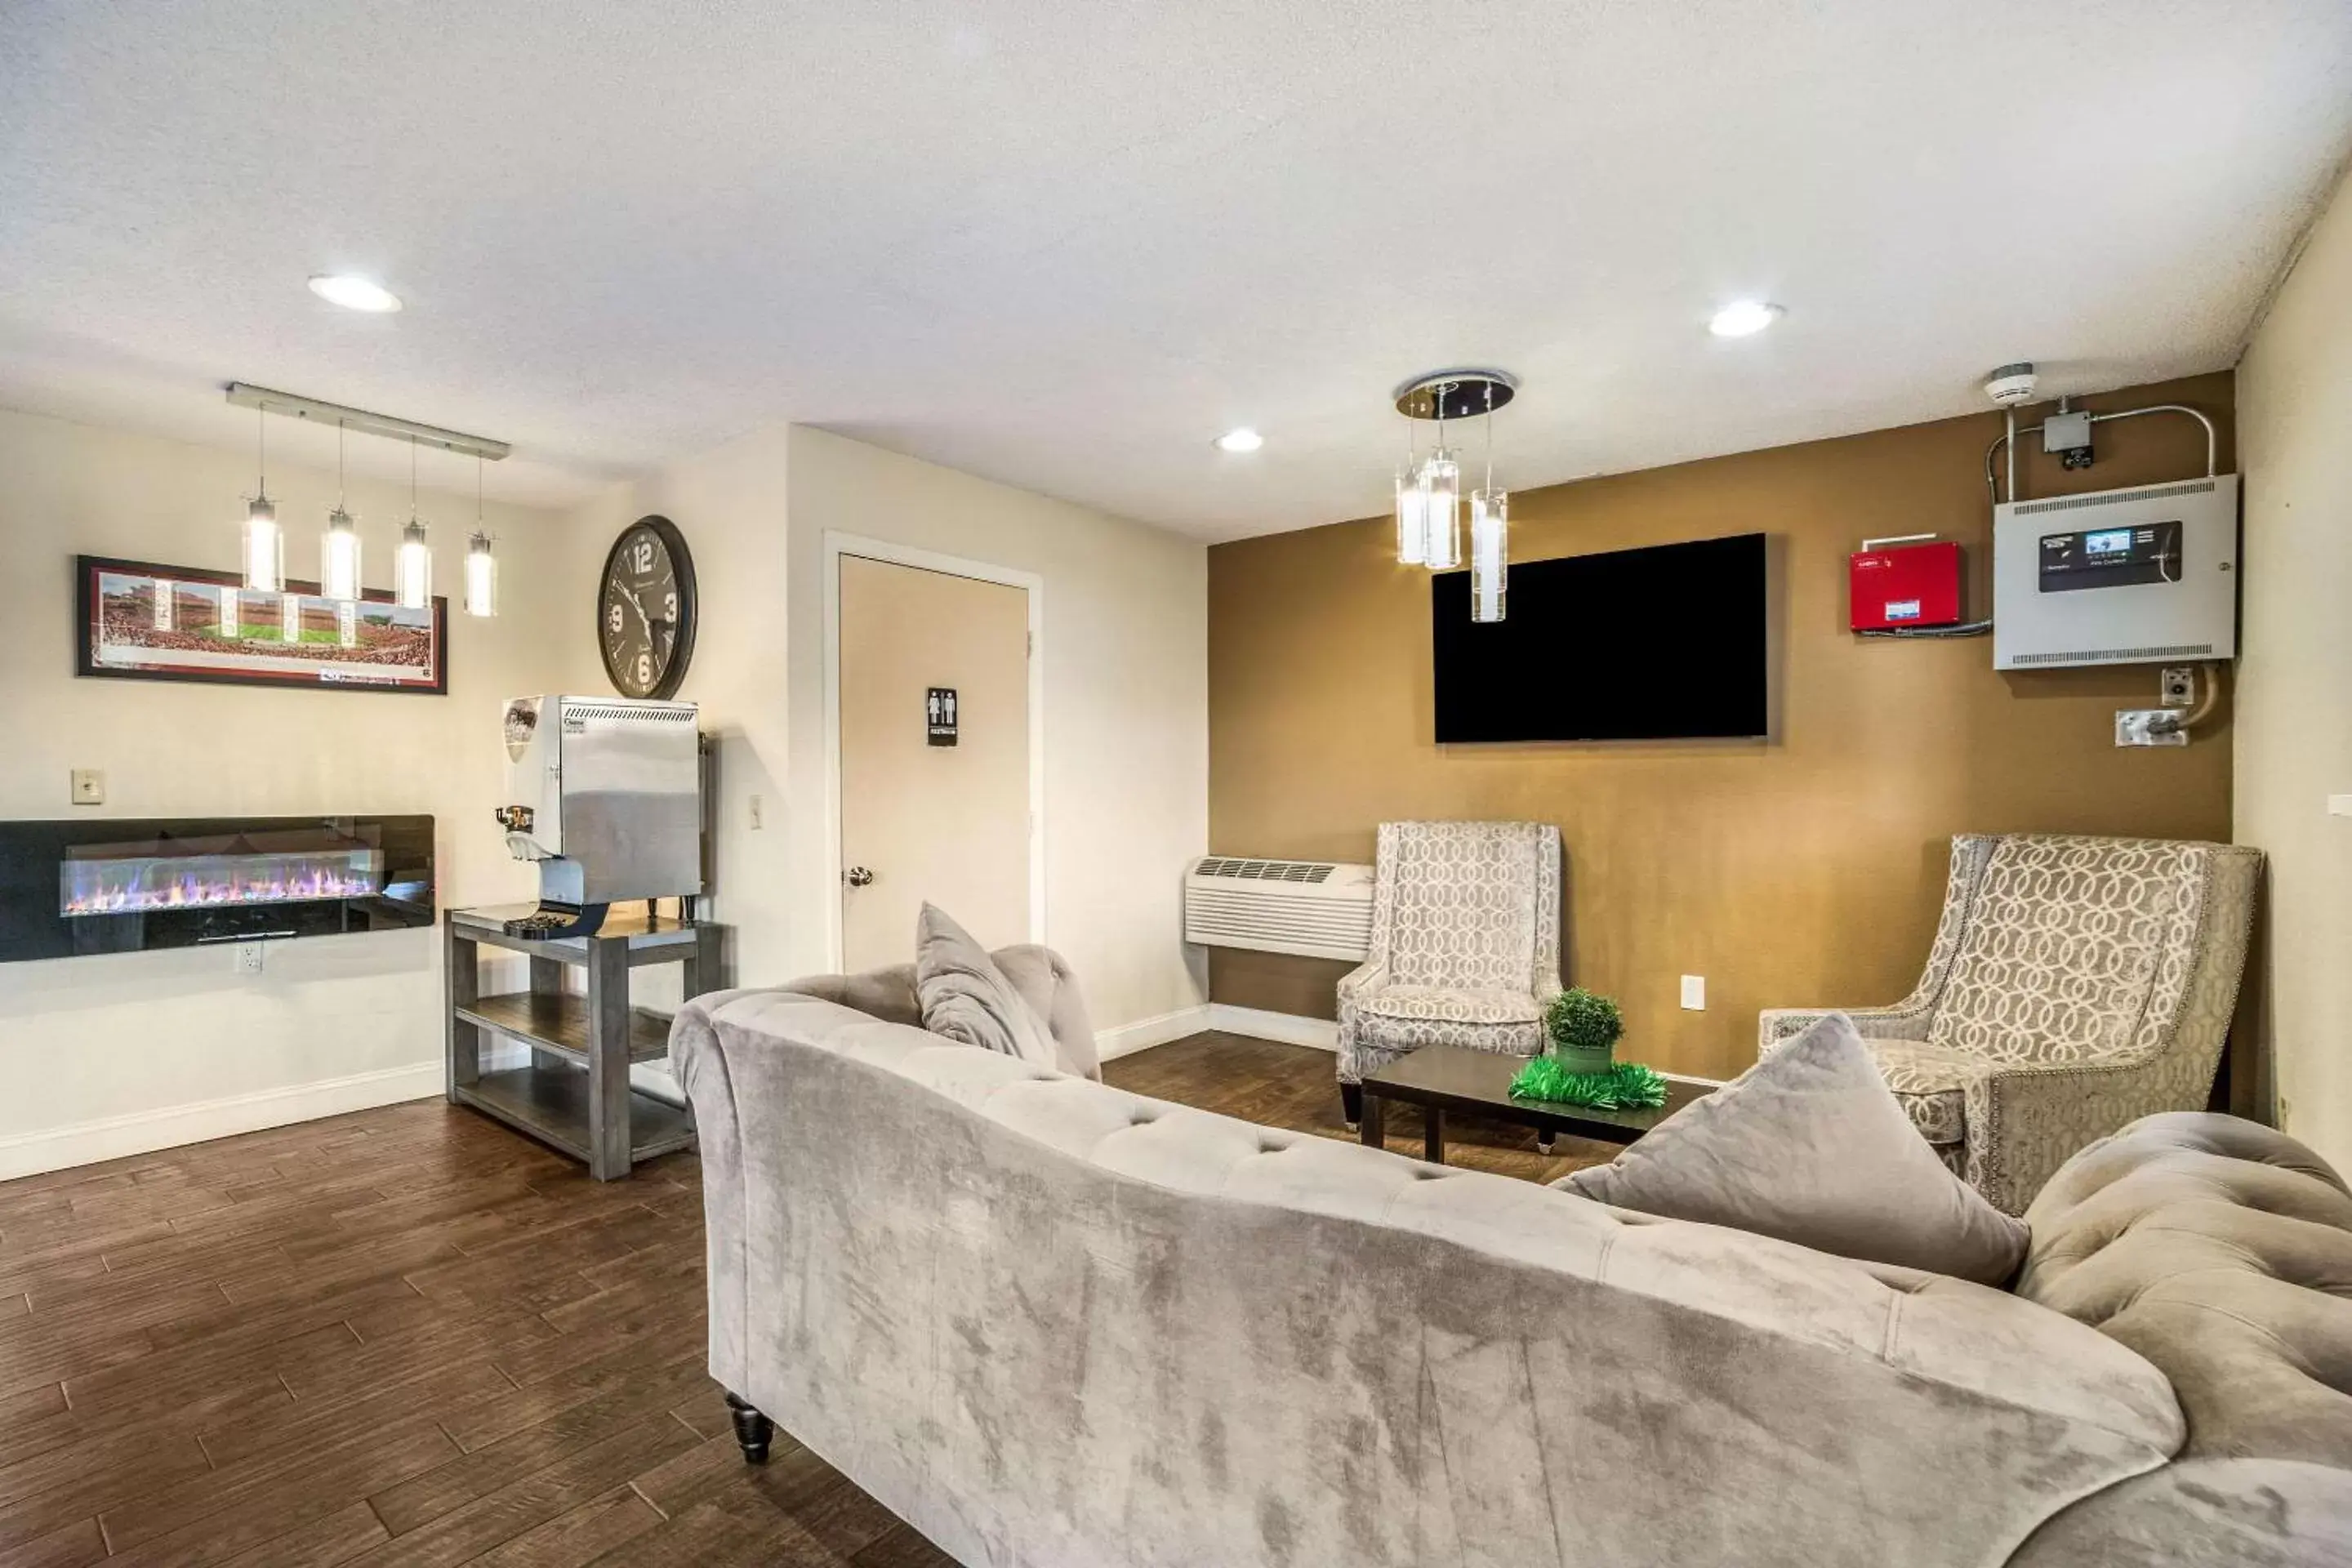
(2133, 576)
(1316, 909)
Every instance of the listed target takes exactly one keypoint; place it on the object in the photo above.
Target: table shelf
(558, 1023)
(550, 1104)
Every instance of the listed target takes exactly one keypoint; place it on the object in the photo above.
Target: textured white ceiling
(1065, 244)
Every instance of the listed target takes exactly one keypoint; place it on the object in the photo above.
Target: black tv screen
(1634, 645)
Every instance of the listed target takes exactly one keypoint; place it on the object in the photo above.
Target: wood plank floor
(409, 1336)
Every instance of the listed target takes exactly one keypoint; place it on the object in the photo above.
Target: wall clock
(645, 609)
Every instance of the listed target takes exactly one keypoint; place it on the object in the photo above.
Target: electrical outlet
(249, 957)
(2149, 727)
(2176, 687)
(88, 786)
(759, 813)
(1695, 993)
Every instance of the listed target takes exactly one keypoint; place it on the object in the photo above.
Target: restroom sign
(939, 713)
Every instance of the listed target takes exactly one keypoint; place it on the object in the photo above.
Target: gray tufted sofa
(1050, 1323)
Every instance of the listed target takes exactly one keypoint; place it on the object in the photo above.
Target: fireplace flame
(138, 885)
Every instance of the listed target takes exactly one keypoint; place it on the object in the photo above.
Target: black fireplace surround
(92, 884)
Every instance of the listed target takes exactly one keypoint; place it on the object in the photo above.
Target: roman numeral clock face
(645, 609)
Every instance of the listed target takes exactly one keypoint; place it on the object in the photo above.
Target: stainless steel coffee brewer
(604, 794)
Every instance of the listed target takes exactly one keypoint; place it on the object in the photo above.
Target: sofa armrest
(1775, 1025)
(1047, 984)
(2275, 1514)
(2025, 1120)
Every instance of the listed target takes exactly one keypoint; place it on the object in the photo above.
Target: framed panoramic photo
(136, 620)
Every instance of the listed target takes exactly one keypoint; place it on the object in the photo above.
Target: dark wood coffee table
(1440, 1078)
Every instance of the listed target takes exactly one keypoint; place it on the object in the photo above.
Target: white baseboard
(1146, 1033)
(1288, 1027)
(169, 1127)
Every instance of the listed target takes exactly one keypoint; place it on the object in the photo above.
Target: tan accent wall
(1805, 868)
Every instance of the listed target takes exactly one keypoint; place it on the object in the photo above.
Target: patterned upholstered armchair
(2075, 984)
(1465, 945)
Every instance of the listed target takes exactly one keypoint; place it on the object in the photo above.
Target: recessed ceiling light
(1241, 440)
(1744, 318)
(354, 293)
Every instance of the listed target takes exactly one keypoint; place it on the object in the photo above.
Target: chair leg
(1351, 1104)
(752, 1430)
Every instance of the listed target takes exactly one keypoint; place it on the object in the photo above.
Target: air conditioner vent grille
(1267, 870)
(1314, 909)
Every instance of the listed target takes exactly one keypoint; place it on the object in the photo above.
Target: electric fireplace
(111, 885)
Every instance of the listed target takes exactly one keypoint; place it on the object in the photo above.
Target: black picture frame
(328, 674)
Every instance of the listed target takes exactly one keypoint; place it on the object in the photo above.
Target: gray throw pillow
(966, 997)
(1810, 1145)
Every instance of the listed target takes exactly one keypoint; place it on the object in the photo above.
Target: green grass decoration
(1626, 1086)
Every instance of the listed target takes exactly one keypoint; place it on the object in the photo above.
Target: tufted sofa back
(2221, 1251)
(1467, 905)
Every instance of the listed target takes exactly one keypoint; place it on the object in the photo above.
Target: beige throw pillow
(1810, 1145)
(966, 997)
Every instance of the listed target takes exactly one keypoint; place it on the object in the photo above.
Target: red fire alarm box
(1908, 585)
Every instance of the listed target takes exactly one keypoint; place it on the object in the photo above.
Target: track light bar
(246, 395)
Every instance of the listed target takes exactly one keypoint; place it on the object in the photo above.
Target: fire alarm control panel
(2132, 576)
(1906, 585)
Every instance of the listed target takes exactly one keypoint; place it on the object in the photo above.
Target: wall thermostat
(2130, 577)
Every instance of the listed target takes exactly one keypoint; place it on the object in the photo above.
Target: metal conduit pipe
(2009, 439)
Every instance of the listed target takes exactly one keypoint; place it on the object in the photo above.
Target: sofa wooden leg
(1351, 1104)
(752, 1430)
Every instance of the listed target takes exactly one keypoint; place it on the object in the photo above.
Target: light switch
(2340, 806)
(759, 813)
(1695, 993)
(88, 786)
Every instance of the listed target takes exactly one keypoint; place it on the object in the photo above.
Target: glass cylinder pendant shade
(412, 569)
(265, 547)
(481, 577)
(1441, 502)
(1413, 534)
(339, 558)
(1490, 553)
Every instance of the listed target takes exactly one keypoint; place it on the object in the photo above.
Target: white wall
(1126, 722)
(118, 1054)
(2293, 723)
(1125, 651)
(729, 503)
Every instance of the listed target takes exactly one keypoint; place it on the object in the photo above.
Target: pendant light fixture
(1428, 489)
(265, 542)
(411, 567)
(1490, 541)
(339, 553)
(481, 566)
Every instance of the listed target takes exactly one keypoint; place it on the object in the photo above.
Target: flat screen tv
(1665, 643)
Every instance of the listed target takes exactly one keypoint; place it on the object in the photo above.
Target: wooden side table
(574, 1095)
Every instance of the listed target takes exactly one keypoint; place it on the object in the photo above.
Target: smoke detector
(2012, 385)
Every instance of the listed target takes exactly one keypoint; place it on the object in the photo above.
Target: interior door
(926, 815)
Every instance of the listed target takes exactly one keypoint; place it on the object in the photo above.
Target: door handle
(858, 877)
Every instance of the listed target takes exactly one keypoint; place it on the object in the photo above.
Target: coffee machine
(604, 794)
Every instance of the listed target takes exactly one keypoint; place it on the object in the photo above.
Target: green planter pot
(1583, 1059)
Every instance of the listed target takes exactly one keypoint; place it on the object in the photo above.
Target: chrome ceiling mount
(1463, 394)
(247, 395)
